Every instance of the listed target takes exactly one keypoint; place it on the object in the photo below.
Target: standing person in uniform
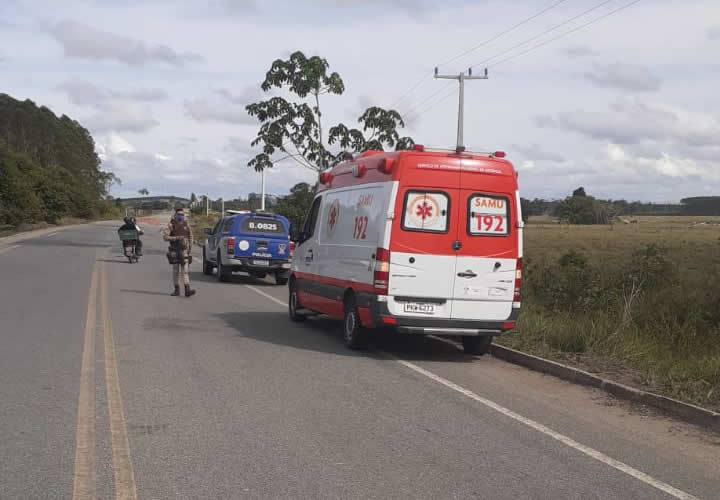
(179, 235)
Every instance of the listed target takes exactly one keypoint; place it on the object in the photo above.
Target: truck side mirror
(295, 233)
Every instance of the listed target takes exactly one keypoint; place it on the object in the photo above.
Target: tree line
(48, 167)
(581, 208)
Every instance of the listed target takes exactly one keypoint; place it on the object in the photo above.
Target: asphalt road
(111, 388)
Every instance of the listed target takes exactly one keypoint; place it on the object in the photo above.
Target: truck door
(486, 256)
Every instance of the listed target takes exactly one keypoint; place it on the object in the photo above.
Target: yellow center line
(125, 488)
(84, 472)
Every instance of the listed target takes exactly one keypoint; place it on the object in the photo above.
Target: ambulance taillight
(381, 276)
(231, 246)
(292, 248)
(518, 282)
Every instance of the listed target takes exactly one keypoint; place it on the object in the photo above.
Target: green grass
(575, 308)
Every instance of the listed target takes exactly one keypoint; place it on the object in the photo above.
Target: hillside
(48, 166)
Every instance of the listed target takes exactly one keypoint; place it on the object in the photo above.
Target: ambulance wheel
(294, 304)
(222, 274)
(281, 280)
(207, 266)
(353, 332)
(477, 345)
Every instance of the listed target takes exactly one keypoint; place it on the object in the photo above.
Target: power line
(452, 92)
(474, 48)
(502, 33)
(566, 33)
(540, 35)
(428, 98)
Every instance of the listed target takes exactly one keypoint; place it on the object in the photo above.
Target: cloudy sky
(628, 106)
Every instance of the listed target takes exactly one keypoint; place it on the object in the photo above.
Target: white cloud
(162, 157)
(122, 118)
(86, 42)
(629, 77)
(714, 32)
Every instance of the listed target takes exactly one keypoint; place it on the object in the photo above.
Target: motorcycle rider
(131, 225)
(180, 236)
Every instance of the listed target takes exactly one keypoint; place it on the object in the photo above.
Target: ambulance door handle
(309, 256)
(371, 262)
(456, 245)
(467, 274)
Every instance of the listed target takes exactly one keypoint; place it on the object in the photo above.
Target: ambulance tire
(294, 304)
(477, 345)
(354, 334)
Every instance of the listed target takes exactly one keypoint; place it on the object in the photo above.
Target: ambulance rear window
(488, 215)
(262, 225)
(426, 211)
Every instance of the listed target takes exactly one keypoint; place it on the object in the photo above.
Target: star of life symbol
(423, 211)
(333, 217)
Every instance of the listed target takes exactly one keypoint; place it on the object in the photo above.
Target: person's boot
(176, 293)
(188, 291)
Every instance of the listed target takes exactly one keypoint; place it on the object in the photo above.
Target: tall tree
(297, 129)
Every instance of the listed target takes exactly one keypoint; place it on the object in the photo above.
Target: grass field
(638, 301)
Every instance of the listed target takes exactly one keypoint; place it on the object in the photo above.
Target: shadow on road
(240, 279)
(145, 292)
(323, 334)
(55, 242)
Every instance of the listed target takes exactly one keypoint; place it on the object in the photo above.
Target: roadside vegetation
(638, 302)
(49, 170)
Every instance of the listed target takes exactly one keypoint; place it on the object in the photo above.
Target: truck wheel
(477, 345)
(294, 305)
(353, 332)
(222, 274)
(280, 280)
(207, 266)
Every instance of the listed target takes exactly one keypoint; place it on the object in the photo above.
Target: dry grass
(667, 335)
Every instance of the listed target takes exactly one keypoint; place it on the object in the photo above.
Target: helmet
(128, 220)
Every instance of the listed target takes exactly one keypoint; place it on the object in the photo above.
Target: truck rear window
(488, 215)
(262, 226)
(426, 211)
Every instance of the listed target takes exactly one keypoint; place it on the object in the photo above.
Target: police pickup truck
(257, 243)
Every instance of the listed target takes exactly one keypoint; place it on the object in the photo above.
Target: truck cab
(256, 243)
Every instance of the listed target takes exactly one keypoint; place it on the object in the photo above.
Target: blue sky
(627, 107)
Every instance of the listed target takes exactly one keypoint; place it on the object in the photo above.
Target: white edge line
(592, 453)
(49, 235)
(267, 295)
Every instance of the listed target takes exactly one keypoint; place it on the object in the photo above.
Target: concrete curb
(683, 411)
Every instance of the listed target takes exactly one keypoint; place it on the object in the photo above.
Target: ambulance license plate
(419, 308)
(260, 263)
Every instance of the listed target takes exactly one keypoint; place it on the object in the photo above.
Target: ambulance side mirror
(295, 234)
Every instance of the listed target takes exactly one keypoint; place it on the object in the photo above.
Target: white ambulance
(428, 242)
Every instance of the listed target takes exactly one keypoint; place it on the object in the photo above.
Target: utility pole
(207, 205)
(461, 104)
(222, 211)
(262, 192)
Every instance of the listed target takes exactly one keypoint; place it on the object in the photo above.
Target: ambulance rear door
(487, 251)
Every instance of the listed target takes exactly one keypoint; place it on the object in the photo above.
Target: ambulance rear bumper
(381, 316)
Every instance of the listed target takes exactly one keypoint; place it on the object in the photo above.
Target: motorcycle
(129, 240)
